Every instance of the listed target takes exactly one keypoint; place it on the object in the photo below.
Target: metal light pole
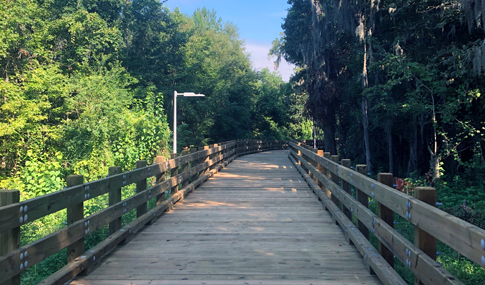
(175, 94)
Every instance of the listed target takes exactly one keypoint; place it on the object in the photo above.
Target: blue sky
(259, 23)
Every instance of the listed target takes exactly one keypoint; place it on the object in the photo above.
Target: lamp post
(175, 94)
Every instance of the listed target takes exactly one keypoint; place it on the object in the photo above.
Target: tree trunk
(314, 135)
(365, 123)
(329, 139)
(413, 148)
(389, 145)
(374, 4)
(435, 159)
(365, 115)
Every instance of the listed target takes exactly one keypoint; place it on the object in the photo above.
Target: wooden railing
(324, 172)
(320, 143)
(187, 172)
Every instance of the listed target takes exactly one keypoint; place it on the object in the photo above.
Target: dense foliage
(89, 84)
(397, 85)
(86, 85)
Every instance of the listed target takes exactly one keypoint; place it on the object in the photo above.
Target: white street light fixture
(175, 94)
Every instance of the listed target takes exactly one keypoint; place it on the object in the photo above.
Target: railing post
(141, 186)
(114, 197)
(335, 179)
(10, 240)
(200, 160)
(363, 199)
(313, 162)
(299, 154)
(193, 163)
(174, 172)
(346, 187)
(159, 179)
(304, 157)
(326, 172)
(328, 156)
(214, 155)
(387, 215)
(210, 157)
(321, 169)
(205, 160)
(423, 240)
(223, 152)
(185, 167)
(74, 214)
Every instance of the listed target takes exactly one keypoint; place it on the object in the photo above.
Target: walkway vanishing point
(256, 222)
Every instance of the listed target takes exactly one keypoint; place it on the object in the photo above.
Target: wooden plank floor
(256, 222)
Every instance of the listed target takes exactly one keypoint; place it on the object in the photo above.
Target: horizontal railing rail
(429, 221)
(187, 172)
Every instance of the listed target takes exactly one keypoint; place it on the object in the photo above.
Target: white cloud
(259, 58)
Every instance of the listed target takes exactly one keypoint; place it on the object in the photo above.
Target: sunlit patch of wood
(256, 220)
(259, 229)
(264, 252)
(209, 204)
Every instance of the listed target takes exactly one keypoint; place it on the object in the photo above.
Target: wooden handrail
(464, 237)
(203, 164)
(44, 205)
(373, 260)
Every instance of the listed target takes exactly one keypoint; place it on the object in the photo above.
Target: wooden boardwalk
(255, 222)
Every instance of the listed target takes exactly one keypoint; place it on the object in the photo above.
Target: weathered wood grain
(255, 232)
(262, 279)
(141, 186)
(84, 262)
(93, 256)
(428, 270)
(75, 213)
(10, 240)
(72, 236)
(376, 263)
(47, 204)
(362, 198)
(114, 197)
(387, 215)
(423, 240)
(456, 233)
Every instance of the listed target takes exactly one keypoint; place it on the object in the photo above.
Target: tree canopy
(88, 84)
(395, 84)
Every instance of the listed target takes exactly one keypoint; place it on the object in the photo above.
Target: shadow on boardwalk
(256, 222)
